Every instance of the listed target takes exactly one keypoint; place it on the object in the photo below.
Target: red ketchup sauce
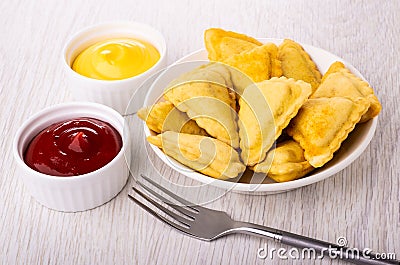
(73, 147)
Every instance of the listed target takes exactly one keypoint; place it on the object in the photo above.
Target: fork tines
(180, 222)
(169, 193)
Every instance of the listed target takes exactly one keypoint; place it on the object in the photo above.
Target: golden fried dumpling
(211, 105)
(224, 71)
(322, 124)
(260, 63)
(285, 163)
(335, 67)
(256, 65)
(212, 72)
(276, 65)
(204, 154)
(222, 44)
(217, 73)
(230, 46)
(163, 116)
(265, 110)
(340, 82)
(297, 64)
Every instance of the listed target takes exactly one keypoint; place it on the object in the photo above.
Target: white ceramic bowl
(77, 193)
(354, 145)
(113, 93)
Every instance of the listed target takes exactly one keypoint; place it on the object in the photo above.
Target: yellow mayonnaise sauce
(116, 59)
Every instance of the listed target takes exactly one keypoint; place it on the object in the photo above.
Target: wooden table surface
(362, 202)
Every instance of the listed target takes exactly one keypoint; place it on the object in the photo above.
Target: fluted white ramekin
(113, 93)
(76, 193)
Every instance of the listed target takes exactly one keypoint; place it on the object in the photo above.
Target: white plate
(352, 148)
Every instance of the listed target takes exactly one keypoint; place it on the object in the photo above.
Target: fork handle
(320, 247)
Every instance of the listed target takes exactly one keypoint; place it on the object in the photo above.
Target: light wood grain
(361, 202)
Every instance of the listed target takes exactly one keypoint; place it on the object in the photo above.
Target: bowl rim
(116, 24)
(105, 110)
(264, 187)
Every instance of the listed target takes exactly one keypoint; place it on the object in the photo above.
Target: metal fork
(206, 224)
